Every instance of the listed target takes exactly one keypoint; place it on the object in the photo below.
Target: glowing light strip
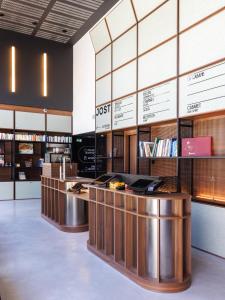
(13, 83)
(45, 92)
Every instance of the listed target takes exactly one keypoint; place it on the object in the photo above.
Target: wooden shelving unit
(7, 157)
(145, 238)
(202, 176)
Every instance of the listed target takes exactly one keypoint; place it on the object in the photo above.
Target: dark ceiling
(63, 21)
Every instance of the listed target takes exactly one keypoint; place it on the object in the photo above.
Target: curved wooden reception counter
(66, 211)
(147, 238)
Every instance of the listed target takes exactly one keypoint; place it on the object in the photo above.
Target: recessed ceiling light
(64, 31)
(35, 23)
(2, 15)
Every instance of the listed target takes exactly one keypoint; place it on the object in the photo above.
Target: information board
(103, 118)
(203, 91)
(124, 112)
(158, 103)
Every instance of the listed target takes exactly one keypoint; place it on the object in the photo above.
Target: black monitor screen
(103, 178)
(141, 183)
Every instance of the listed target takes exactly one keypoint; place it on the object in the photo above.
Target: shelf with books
(6, 155)
(157, 151)
(29, 157)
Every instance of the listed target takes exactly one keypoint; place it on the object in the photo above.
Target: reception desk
(147, 238)
(66, 211)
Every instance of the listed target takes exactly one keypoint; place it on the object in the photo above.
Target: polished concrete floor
(38, 262)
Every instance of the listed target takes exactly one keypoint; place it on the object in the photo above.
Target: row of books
(6, 136)
(35, 138)
(30, 137)
(158, 148)
(59, 139)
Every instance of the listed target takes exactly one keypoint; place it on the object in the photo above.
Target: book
(2, 160)
(198, 146)
(141, 149)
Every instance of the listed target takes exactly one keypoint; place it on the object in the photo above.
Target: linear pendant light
(13, 69)
(45, 75)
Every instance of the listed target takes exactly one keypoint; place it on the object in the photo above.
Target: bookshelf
(6, 155)
(29, 155)
(23, 146)
(57, 146)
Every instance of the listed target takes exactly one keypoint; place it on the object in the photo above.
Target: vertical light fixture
(13, 70)
(45, 75)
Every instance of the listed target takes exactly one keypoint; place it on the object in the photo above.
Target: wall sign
(124, 112)
(203, 91)
(103, 117)
(158, 103)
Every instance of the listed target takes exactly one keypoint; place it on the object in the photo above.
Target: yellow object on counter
(117, 185)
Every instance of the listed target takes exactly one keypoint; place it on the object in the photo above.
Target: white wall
(83, 86)
(208, 223)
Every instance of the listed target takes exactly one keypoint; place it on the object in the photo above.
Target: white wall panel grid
(203, 44)
(28, 190)
(158, 27)
(121, 18)
(192, 11)
(30, 121)
(158, 65)
(203, 91)
(57, 123)
(103, 90)
(158, 103)
(6, 119)
(100, 36)
(125, 80)
(103, 118)
(103, 62)
(144, 7)
(7, 190)
(125, 48)
(124, 112)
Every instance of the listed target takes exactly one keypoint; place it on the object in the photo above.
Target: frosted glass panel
(6, 119)
(103, 62)
(143, 7)
(203, 44)
(125, 48)
(152, 31)
(124, 80)
(203, 91)
(158, 65)
(191, 11)
(58, 123)
(158, 103)
(121, 18)
(124, 112)
(100, 36)
(103, 118)
(30, 121)
(103, 90)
